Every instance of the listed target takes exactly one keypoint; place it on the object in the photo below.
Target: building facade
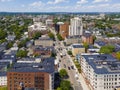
(76, 26)
(3, 79)
(100, 71)
(64, 28)
(39, 76)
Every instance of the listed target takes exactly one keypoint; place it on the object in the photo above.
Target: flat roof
(103, 63)
(46, 65)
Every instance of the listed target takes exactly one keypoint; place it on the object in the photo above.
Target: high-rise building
(76, 26)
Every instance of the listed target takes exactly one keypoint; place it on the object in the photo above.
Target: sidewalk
(83, 83)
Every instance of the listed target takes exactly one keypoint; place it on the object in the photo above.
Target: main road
(66, 63)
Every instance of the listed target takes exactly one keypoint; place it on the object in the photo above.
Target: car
(64, 66)
(72, 67)
(68, 68)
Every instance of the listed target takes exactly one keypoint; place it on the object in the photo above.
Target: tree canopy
(21, 53)
(118, 55)
(63, 73)
(65, 85)
(108, 49)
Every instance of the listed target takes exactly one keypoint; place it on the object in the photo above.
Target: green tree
(3, 34)
(65, 85)
(37, 35)
(118, 55)
(59, 37)
(69, 52)
(86, 46)
(51, 35)
(63, 73)
(107, 49)
(9, 45)
(21, 53)
(53, 54)
(59, 88)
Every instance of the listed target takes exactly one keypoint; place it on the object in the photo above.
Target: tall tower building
(76, 27)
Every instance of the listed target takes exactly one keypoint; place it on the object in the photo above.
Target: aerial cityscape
(59, 45)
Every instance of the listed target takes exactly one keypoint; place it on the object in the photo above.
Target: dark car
(72, 67)
(68, 68)
(64, 66)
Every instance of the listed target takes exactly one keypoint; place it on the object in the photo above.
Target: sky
(59, 5)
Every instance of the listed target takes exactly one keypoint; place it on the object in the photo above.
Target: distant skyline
(59, 5)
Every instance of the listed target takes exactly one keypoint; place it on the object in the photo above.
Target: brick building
(64, 30)
(39, 76)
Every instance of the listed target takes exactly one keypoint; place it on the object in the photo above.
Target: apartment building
(39, 76)
(3, 79)
(44, 41)
(100, 71)
(76, 26)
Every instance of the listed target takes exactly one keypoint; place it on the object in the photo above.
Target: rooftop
(103, 63)
(46, 65)
(77, 46)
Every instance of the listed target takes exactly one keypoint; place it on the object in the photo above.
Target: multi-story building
(100, 71)
(44, 41)
(87, 38)
(77, 49)
(36, 28)
(76, 26)
(64, 29)
(39, 76)
(43, 51)
(3, 79)
(73, 39)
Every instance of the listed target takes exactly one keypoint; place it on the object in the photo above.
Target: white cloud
(100, 1)
(82, 2)
(37, 4)
(56, 1)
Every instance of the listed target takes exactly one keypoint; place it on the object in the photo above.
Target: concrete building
(73, 39)
(44, 41)
(3, 79)
(64, 29)
(76, 26)
(36, 28)
(100, 71)
(77, 49)
(39, 76)
(49, 22)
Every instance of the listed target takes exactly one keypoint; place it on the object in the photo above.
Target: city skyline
(59, 6)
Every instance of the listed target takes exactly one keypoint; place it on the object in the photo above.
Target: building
(49, 22)
(3, 79)
(77, 49)
(87, 38)
(73, 39)
(44, 41)
(64, 29)
(43, 51)
(36, 28)
(100, 71)
(76, 26)
(39, 76)
(57, 26)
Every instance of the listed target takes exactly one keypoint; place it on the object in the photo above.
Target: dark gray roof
(3, 73)
(78, 46)
(46, 65)
(103, 64)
